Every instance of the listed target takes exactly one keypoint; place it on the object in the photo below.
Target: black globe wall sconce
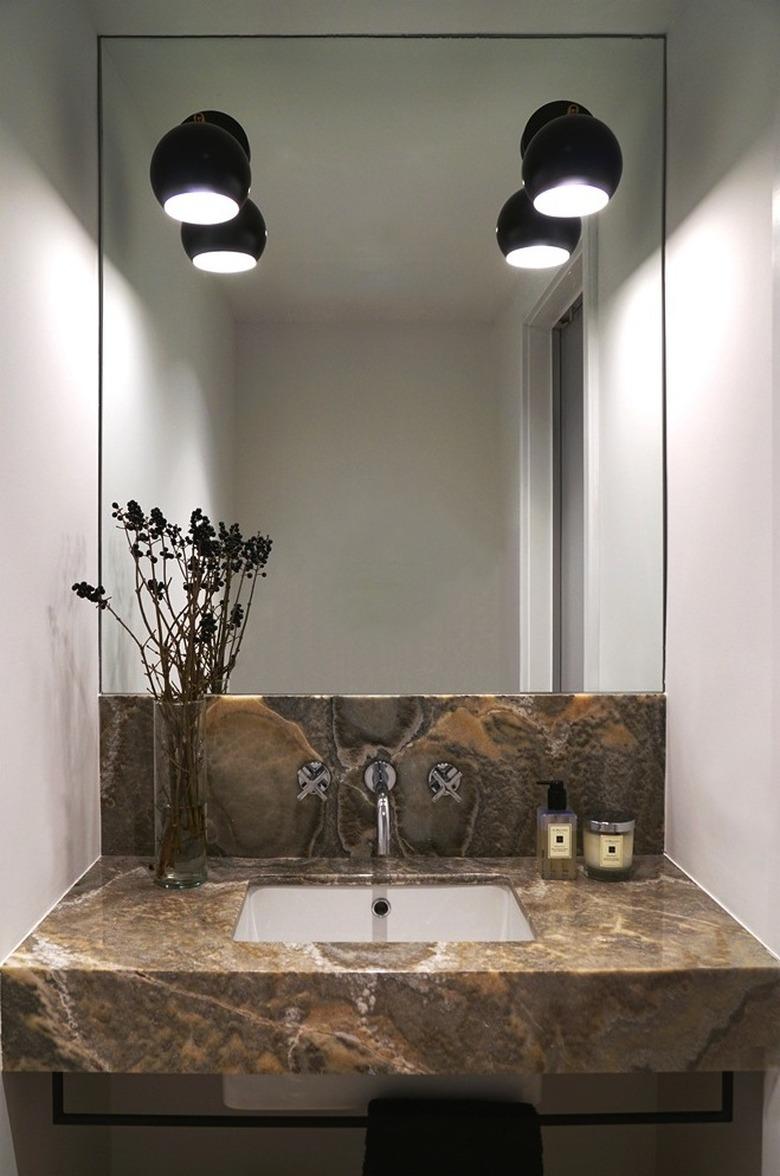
(228, 248)
(200, 169)
(200, 174)
(572, 162)
(530, 240)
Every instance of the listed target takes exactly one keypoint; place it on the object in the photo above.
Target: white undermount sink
(382, 913)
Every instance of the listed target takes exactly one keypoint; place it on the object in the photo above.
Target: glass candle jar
(608, 845)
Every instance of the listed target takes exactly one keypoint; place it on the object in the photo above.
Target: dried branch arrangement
(194, 591)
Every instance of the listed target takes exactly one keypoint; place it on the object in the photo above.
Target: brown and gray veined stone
(609, 748)
(253, 759)
(365, 727)
(644, 975)
(126, 773)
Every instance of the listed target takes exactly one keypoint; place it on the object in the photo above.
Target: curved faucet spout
(382, 823)
(379, 777)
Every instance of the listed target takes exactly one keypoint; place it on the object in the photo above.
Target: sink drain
(380, 907)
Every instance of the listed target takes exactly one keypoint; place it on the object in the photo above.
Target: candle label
(559, 841)
(610, 852)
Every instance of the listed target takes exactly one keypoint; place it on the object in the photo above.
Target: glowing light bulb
(224, 261)
(537, 256)
(201, 208)
(571, 199)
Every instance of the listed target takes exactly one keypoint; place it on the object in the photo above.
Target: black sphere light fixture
(529, 240)
(572, 162)
(228, 248)
(200, 170)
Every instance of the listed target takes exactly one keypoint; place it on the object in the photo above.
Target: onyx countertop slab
(648, 974)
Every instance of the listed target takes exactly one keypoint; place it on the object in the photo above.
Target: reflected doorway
(568, 502)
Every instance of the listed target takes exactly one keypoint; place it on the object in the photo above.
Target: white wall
(169, 371)
(48, 477)
(48, 457)
(723, 649)
(724, 730)
(369, 452)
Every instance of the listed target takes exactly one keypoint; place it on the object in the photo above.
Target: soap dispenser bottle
(556, 834)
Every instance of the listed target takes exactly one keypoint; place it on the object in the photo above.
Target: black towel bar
(62, 1118)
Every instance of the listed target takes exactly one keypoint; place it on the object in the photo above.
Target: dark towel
(408, 1137)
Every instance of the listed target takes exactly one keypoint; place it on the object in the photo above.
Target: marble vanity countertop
(648, 974)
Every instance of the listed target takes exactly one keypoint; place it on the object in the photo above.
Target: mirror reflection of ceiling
(369, 159)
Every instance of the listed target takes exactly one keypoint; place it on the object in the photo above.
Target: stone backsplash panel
(609, 748)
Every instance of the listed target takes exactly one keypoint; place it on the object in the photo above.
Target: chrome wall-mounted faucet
(379, 778)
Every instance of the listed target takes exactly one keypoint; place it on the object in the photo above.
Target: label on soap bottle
(610, 852)
(559, 841)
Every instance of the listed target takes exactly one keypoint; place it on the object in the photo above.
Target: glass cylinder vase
(180, 794)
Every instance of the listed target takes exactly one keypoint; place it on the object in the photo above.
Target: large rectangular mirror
(460, 462)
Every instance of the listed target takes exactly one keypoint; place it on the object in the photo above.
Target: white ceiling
(545, 17)
(380, 165)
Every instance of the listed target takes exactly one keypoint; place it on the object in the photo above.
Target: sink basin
(391, 913)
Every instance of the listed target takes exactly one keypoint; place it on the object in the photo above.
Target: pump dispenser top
(557, 801)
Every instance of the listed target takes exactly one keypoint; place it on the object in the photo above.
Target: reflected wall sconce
(200, 170)
(228, 248)
(572, 162)
(530, 240)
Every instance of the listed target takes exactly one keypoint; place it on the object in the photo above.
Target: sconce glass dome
(529, 240)
(572, 162)
(200, 170)
(228, 248)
